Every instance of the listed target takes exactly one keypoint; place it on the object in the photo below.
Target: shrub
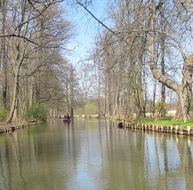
(160, 109)
(36, 112)
(42, 113)
(3, 113)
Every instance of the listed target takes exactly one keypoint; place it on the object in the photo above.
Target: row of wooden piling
(163, 129)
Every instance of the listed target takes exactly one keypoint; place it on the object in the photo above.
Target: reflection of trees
(147, 161)
(31, 159)
(109, 157)
(174, 160)
(13, 156)
(3, 156)
(125, 160)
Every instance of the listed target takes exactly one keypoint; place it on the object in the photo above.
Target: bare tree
(36, 31)
(136, 24)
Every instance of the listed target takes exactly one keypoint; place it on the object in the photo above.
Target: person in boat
(67, 117)
(120, 124)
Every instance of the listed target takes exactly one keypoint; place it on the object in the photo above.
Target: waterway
(93, 155)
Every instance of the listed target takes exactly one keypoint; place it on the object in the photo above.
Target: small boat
(66, 120)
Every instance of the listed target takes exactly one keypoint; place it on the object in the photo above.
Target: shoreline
(160, 129)
(9, 128)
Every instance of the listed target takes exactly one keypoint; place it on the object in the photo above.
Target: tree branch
(18, 36)
(99, 21)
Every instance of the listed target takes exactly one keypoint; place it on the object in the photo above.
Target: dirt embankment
(7, 128)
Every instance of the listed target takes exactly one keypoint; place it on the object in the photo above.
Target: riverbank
(165, 122)
(7, 128)
(161, 129)
(161, 125)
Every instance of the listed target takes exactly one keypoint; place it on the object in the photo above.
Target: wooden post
(176, 129)
(188, 130)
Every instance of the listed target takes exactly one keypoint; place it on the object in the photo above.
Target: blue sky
(85, 30)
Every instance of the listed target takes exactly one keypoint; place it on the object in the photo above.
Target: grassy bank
(165, 122)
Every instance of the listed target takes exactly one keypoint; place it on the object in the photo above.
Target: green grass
(165, 122)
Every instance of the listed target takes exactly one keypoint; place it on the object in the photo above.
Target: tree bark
(186, 89)
(20, 51)
(3, 59)
(15, 95)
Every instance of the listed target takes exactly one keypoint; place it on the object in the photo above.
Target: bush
(42, 113)
(3, 113)
(36, 112)
(160, 109)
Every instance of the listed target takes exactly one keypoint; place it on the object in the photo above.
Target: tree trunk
(185, 104)
(162, 44)
(12, 112)
(20, 51)
(186, 90)
(3, 59)
(154, 96)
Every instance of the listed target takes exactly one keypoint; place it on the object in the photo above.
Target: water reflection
(93, 155)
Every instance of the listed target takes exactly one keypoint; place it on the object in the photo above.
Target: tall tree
(4, 50)
(184, 90)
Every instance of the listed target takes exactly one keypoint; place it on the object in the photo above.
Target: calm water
(92, 155)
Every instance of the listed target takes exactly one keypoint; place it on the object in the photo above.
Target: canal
(93, 155)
